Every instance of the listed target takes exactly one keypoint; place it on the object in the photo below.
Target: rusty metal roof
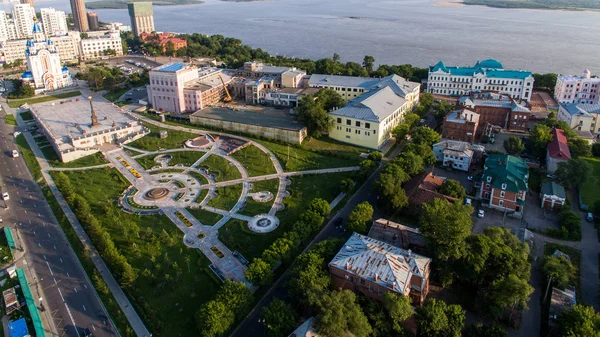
(379, 262)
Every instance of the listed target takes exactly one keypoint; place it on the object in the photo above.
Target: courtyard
(189, 217)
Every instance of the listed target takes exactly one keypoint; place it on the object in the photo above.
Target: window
(502, 194)
(339, 120)
(368, 125)
(357, 124)
(489, 179)
(501, 203)
(348, 122)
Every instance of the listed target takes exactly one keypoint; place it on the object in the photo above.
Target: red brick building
(162, 39)
(461, 125)
(504, 183)
(373, 268)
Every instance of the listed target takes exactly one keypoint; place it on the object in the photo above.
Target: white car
(468, 201)
(5, 196)
(480, 214)
(16, 133)
(15, 153)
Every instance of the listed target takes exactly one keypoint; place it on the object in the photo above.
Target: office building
(54, 22)
(23, 18)
(44, 67)
(79, 15)
(577, 89)
(582, 118)
(101, 43)
(29, 2)
(93, 20)
(487, 75)
(142, 17)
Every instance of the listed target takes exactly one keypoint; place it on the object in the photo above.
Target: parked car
(86, 333)
(468, 201)
(480, 213)
(5, 196)
(470, 178)
(338, 222)
(16, 133)
(590, 217)
(15, 153)
(550, 176)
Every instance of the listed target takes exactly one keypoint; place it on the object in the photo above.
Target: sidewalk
(134, 320)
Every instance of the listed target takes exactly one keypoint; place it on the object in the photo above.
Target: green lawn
(227, 197)
(147, 162)
(5, 254)
(589, 191)
(10, 119)
(172, 278)
(32, 163)
(205, 217)
(187, 158)
(198, 177)
(575, 255)
(152, 141)
(26, 115)
(254, 207)
(90, 160)
(236, 235)
(256, 162)
(41, 99)
(114, 95)
(221, 167)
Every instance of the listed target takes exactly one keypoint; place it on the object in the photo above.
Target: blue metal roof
(27, 74)
(18, 328)
(491, 68)
(171, 67)
(578, 109)
(490, 63)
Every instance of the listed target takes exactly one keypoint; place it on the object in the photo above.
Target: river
(417, 32)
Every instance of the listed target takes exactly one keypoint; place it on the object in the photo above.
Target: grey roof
(552, 188)
(400, 85)
(342, 81)
(499, 101)
(382, 263)
(374, 106)
(458, 116)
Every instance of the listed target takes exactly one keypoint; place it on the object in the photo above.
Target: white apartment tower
(577, 89)
(54, 22)
(4, 36)
(23, 16)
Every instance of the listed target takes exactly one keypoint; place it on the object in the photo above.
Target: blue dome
(29, 43)
(36, 28)
(27, 74)
(65, 70)
(491, 63)
(27, 52)
(48, 41)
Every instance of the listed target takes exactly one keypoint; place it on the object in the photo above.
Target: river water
(418, 32)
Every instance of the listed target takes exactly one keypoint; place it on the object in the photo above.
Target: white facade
(13, 50)
(23, 16)
(3, 27)
(44, 68)
(54, 22)
(118, 26)
(487, 75)
(68, 46)
(98, 43)
(454, 153)
(166, 87)
(577, 89)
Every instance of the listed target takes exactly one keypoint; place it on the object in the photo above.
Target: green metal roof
(491, 68)
(552, 188)
(33, 310)
(9, 238)
(505, 169)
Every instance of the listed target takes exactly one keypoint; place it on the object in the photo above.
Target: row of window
(357, 132)
(357, 124)
(477, 80)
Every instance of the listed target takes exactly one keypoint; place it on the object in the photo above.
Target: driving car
(480, 213)
(5, 196)
(15, 153)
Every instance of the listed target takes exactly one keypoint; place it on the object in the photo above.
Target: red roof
(559, 148)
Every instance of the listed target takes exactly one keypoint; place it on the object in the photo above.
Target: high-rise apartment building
(54, 22)
(79, 15)
(23, 16)
(4, 36)
(142, 19)
(93, 20)
(29, 2)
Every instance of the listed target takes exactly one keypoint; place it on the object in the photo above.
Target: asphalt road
(66, 291)
(251, 325)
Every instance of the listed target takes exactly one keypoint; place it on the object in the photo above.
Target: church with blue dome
(44, 69)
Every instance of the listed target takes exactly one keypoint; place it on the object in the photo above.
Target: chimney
(409, 253)
(376, 277)
(347, 265)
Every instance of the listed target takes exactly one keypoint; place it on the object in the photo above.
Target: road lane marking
(39, 244)
(51, 273)
(84, 308)
(68, 275)
(85, 286)
(54, 247)
(93, 327)
(45, 257)
(49, 235)
(61, 261)
(55, 281)
(75, 290)
(61, 295)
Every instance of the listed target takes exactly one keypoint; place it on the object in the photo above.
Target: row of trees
(282, 250)
(21, 90)
(540, 135)
(494, 262)
(102, 239)
(218, 316)
(570, 226)
(313, 111)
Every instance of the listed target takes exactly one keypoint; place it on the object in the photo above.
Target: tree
(511, 292)
(560, 270)
(336, 57)
(280, 318)
(110, 52)
(410, 119)
(426, 100)
(574, 172)
(480, 330)
(545, 81)
(398, 309)
(346, 185)
(391, 194)
(453, 188)
(425, 135)
(596, 149)
(366, 167)
(570, 225)
(340, 313)
(423, 151)
(437, 319)
(375, 156)
(169, 48)
(579, 147)
(315, 117)
(359, 218)
(214, 319)
(329, 99)
(320, 206)
(539, 137)
(411, 163)
(368, 63)
(513, 145)
(580, 321)
(259, 272)
(400, 132)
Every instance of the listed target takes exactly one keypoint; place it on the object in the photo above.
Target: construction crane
(227, 98)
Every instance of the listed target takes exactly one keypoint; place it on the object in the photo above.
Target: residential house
(457, 154)
(398, 235)
(11, 304)
(504, 184)
(461, 125)
(373, 268)
(582, 118)
(423, 188)
(487, 75)
(557, 150)
(309, 329)
(577, 89)
(553, 196)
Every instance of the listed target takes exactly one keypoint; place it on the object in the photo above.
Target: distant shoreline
(510, 4)
(120, 4)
